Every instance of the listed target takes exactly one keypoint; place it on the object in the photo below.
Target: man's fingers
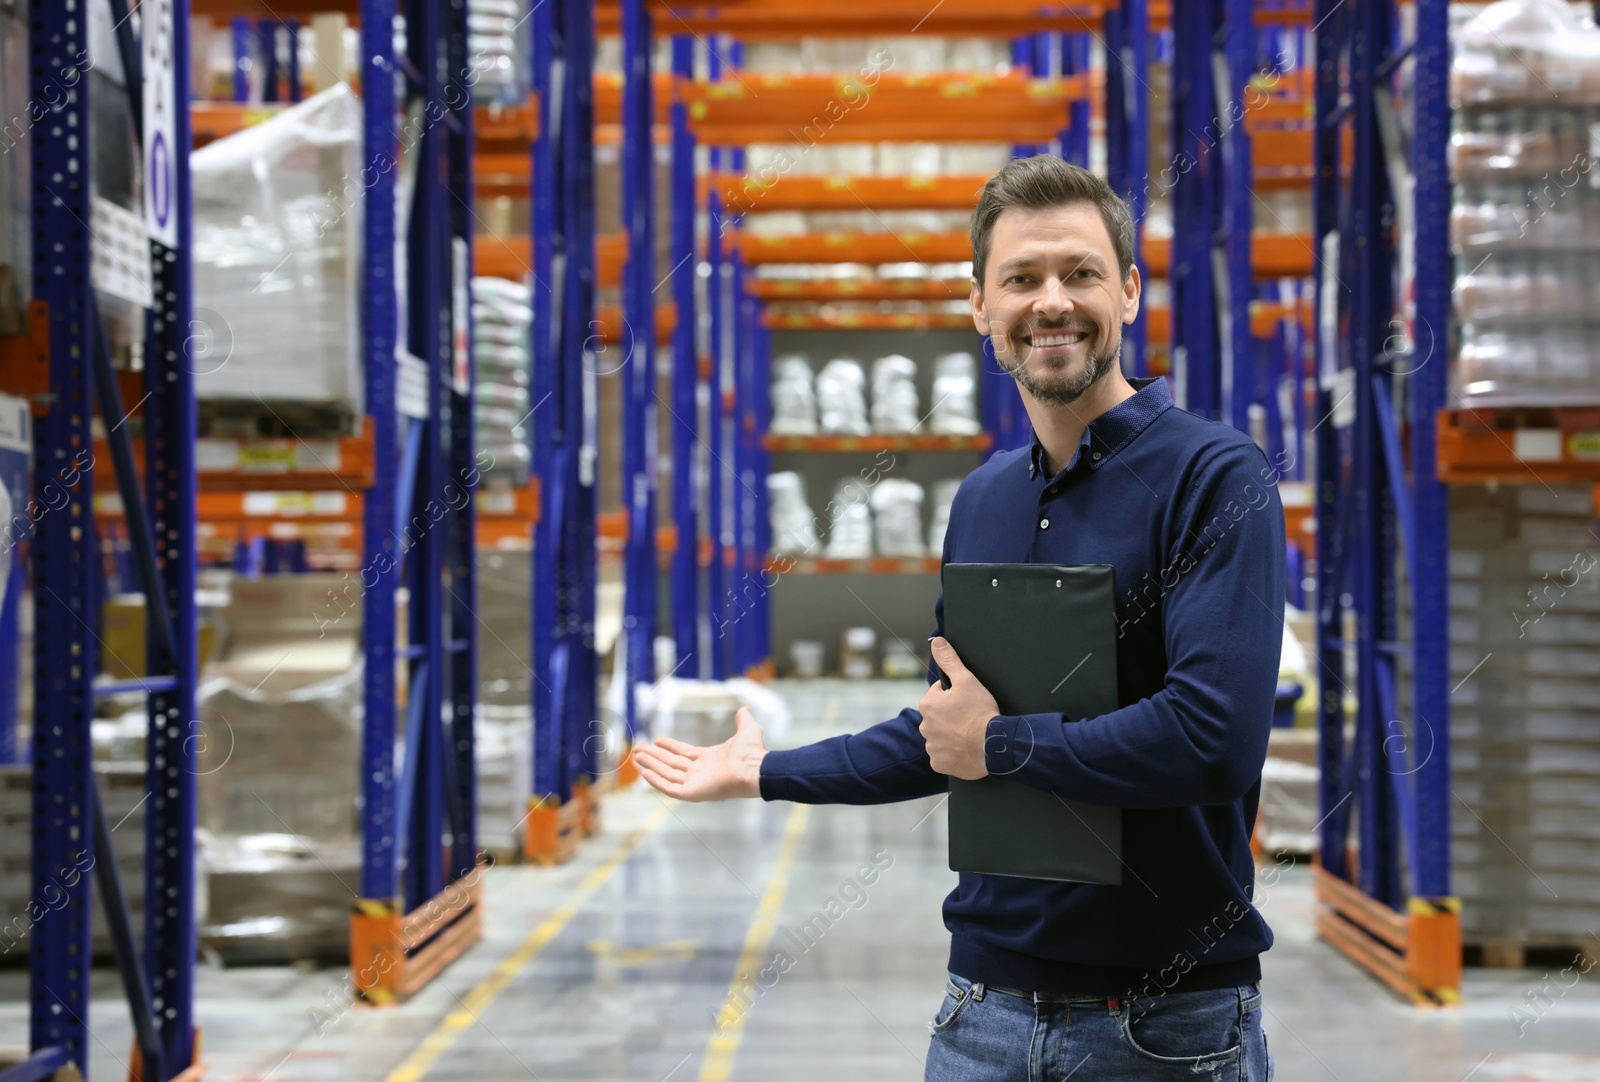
(664, 757)
(944, 655)
(671, 788)
(688, 751)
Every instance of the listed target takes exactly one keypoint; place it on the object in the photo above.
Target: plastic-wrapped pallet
(501, 318)
(1524, 627)
(497, 42)
(954, 410)
(794, 528)
(277, 243)
(794, 398)
(1525, 83)
(842, 398)
(850, 537)
(894, 395)
(897, 517)
(944, 494)
(503, 749)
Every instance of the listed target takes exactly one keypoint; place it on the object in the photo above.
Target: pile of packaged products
(834, 401)
(1525, 87)
(501, 317)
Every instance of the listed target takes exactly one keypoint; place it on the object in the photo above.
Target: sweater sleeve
(880, 765)
(1201, 739)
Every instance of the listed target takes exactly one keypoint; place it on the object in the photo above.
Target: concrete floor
(617, 966)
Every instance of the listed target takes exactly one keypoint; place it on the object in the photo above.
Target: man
(1158, 978)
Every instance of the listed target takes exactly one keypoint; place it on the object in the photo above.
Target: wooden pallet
(1541, 953)
(393, 954)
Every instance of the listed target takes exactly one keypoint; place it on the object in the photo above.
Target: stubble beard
(1070, 385)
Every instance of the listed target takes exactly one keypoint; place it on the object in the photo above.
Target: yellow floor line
(729, 1032)
(458, 1021)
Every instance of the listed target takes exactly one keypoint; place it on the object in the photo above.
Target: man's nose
(1053, 300)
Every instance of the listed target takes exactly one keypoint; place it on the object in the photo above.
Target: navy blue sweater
(1187, 512)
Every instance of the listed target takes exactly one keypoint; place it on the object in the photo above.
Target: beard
(1059, 384)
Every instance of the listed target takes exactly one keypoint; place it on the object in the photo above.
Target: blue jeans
(984, 1034)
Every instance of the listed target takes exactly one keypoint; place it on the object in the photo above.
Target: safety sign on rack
(160, 122)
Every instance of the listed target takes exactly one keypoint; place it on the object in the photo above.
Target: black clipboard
(1042, 638)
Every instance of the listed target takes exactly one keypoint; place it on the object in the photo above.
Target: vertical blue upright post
(1237, 49)
(63, 553)
(1194, 170)
(1430, 865)
(170, 436)
(550, 435)
(1368, 261)
(685, 374)
(1331, 16)
(640, 571)
(1128, 143)
(716, 509)
(427, 337)
(459, 528)
(380, 552)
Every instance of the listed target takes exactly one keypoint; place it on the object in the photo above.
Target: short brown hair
(1039, 183)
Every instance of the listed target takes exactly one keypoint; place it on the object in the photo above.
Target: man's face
(1052, 301)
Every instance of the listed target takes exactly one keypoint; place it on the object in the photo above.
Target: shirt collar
(1114, 429)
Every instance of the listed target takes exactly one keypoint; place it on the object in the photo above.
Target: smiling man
(1158, 978)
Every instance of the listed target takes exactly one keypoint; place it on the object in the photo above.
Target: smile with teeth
(1057, 338)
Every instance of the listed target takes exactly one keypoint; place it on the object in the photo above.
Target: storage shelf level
(778, 442)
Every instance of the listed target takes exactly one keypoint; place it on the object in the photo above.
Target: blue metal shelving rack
(565, 560)
(685, 375)
(1373, 511)
(69, 820)
(418, 829)
(639, 414)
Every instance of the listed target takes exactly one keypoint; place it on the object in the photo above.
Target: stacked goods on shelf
(894, 395)
(842, 398)
(496, 33)
(944, 494)
(16, 240)
(503, 748)
(1525, 84)
(277, 242)
(794, 397)
(501, 318)
(954, 409)
(505, 633)
(1525, 718)
(279, 763)
(122, 792)
(850, 533)
(897, 517)
(794, 527)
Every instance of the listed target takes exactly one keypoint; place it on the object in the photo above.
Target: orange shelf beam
(1275, 255)
(894, 108)
(609, 316)
(781, 20)
(746, 194)
(853, 247)
(872, 565)
(860, 289)
(338, 464)
(1265, 319)
(775, 442)
(865, 321)
(1553, 446)
(512, 257)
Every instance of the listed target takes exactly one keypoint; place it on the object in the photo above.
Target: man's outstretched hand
(729, 769)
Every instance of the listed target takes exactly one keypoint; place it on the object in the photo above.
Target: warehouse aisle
(617, 966)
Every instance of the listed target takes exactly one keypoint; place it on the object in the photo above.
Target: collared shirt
(1187, 513)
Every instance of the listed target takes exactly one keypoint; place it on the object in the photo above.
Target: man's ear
(1132, 290)
(980, 319)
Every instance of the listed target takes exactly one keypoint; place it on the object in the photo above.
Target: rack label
(160, 122)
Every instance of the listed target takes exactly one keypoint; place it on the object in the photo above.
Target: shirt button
(1097, 456)
(1044, 524)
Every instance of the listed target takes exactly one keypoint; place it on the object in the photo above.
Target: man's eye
(1016, 278)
